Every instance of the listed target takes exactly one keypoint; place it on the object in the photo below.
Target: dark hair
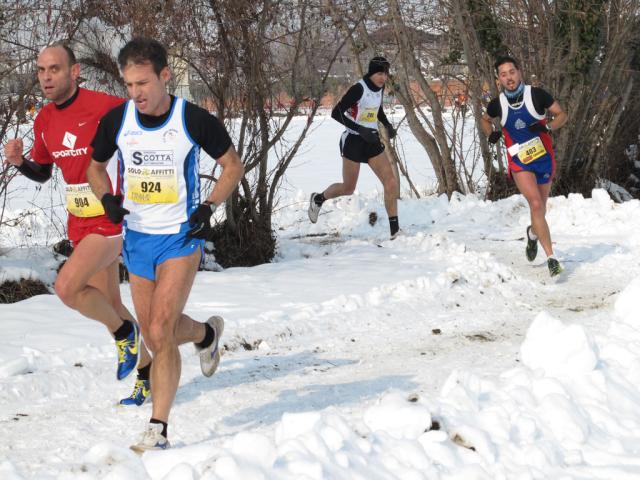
(140, 51)
(71, 56)
(506, 59)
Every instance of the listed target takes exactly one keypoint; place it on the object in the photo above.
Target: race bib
(81, 202)
(150, 185)
(531, 150)
(368, 115)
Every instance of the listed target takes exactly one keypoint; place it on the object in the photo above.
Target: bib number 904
(81, 202)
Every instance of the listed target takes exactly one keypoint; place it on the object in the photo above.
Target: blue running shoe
(152, 439)
(128, 349)
(141, 392)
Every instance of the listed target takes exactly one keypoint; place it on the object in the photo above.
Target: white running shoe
(314, 208)
(152, 439)
(399, 233)
(210, 356)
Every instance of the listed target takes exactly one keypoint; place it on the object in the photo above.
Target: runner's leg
(158, 306)
(382, 168)
(350, 173)
(536, 198)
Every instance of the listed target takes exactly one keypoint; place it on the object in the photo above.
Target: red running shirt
(63, 136)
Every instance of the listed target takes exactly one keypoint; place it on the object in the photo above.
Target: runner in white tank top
(158, 142)
(526, 131)
(360, 110)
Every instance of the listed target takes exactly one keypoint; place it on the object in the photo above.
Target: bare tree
(255, 64)
(582, 51)
(403, 23)
(25, 28)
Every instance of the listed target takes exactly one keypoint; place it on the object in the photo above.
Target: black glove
(200, 221)
(391, 132)
(538, 128)
(494, 137)
(369, 135)
(113, 207)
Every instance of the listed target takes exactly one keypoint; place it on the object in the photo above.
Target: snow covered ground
(441, 355)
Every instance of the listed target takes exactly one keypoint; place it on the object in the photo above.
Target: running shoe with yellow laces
(141, 393)
(555, 267)
(128, 352)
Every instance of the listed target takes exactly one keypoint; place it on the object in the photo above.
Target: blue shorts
(544, 168)
(143, 252)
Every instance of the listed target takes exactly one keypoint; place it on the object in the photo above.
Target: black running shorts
(354, 148)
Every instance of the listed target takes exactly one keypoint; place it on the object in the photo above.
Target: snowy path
(339, 321)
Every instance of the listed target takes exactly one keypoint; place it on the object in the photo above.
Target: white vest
(159, 170)
(528, 103)
(365, 112)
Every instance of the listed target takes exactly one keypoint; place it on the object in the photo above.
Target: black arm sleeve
(35, 171)
(352, 96)
(207, 131)
(104, 143)
(382, 117)
(541, 99)
(494, 110)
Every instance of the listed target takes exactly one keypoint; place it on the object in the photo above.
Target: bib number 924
(150, 187)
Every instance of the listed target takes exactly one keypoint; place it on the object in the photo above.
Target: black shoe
(532, 247)
(554, 267)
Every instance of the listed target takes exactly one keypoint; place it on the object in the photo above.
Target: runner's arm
(493, 111)
(560, 117)
(383, 117)
(212, 136)
(35, 171)
(486, 123)
(38, 172)
(98, 178)
(350, 98)
(232, 171)
(104, 146)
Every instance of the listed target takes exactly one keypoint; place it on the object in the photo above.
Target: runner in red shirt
(89, 281)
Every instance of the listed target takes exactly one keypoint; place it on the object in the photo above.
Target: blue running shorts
(143, 252)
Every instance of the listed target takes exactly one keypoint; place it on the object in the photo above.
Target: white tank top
(505, 106)
(159, 171)
(365, 111)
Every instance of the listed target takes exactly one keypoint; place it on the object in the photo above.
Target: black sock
(209, 337)
(144, 372)
(319, 199)
(124, 330)
(394, 226)
(164, 426)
